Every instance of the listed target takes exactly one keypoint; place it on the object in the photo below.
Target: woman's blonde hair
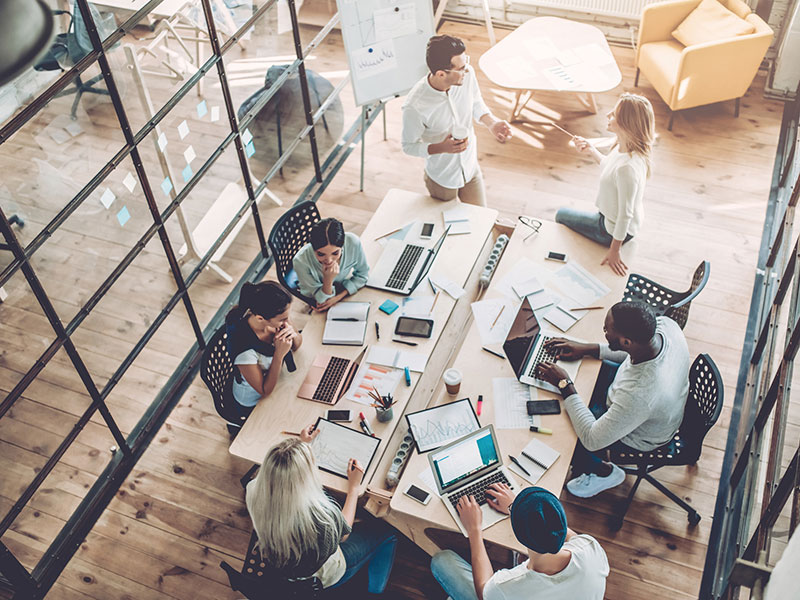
(636, 121)
(289, 507)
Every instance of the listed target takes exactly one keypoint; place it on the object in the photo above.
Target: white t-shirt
(243, 392)
(584, 578)
(621, 192)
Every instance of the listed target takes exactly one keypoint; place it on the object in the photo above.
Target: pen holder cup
(384, 414)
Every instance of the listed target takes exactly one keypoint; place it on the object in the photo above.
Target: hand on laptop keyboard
(550, 372)
(470, 513)
(566, 349)
(500, 497)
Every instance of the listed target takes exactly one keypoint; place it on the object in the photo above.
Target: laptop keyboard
(543, 355)
(405, 264)
(478, 488)
(326, 389)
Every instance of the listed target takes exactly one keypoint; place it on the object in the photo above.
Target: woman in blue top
(260, 336)
(331, 266)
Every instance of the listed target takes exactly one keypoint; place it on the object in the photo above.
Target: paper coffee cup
(452, 381)
(459, 132)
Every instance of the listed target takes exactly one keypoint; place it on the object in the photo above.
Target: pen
(480, 405)
(377, 331)
(433, 287)
(365, 424)
(529, 457)
(544, 430)
(408, 376)
(519, 464)
(497, 354)
(289, 433)
(588, 308)
(405, 342)
(346, 319)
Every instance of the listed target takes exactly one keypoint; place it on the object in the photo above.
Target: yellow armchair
(689, 76)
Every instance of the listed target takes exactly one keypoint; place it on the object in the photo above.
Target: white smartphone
(557, 256)
(339, 416)
(417, 494)
(427, 231)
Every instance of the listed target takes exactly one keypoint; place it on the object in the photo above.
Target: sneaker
(591, 484)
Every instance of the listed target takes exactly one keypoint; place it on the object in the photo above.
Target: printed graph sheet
(336, 445)
(437, 426)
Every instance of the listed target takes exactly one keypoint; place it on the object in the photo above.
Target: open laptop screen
(521, 337)
(459, 460)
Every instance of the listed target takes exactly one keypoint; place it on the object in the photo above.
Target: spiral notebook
(346, 324)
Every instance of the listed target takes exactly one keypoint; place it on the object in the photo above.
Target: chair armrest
(660, 20)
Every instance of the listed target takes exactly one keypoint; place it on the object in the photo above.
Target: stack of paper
(536, 457)
(457, 219)
(390, 357)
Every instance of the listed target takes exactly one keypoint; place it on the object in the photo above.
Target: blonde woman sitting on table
(331, 266)
(622, 180)
(303, 533)
(260, 336)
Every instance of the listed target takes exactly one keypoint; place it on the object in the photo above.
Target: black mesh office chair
(257, 582)
(665, 301)
(290, 233)
(216, 371)
(68, 48)
(703, 407)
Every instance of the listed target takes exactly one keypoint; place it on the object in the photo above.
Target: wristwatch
(564, 384)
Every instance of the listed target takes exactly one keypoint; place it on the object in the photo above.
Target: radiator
(629, 9)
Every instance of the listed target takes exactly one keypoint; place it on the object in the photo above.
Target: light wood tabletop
(284, 411)
(479, 368)
(552, 54)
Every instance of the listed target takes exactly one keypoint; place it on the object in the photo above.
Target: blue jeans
(370, 541)
(454, 574)
(588, 224)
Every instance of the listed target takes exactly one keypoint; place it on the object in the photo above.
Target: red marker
(365, 424)
(480, 404)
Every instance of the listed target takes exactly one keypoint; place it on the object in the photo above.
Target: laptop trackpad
(491, 516)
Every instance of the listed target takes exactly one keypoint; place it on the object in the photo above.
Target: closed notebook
(346, 324)
(536, 457)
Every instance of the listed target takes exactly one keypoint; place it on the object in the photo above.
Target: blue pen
(408, 376)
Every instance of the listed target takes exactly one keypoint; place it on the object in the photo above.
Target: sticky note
(123, 216)
(247, 136)
(189, 154)
(162, 141)
(166, 186)
(250, 149)
(187, 173)
(129, 182)
(107, 198)
(202, 109)
(389, 306)
(214, 113)
(183, 129)
(74, 129)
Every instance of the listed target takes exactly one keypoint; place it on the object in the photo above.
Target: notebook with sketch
(346, 324)
(336, 445)
(439, 425)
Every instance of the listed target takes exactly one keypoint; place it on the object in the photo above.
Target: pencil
(498, 316)
(389, 233)
(435, 299)
(588, 308)
(557, 126)
(289, 433)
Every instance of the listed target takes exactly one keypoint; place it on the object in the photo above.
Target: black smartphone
(417, 494)
(427, 231)
(414, 327)
(339, 416)
(556, 256)
(544, 407)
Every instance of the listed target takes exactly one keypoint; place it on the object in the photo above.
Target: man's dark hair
(441, 50)
(634, 320)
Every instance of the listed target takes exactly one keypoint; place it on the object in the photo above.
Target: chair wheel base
(694, 518)
(233, 430)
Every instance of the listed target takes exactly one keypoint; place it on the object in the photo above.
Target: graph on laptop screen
(465, 458)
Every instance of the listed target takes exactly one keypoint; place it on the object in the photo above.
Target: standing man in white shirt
(561, 565)
(437, 123)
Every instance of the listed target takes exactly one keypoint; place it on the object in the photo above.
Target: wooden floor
(182, 509)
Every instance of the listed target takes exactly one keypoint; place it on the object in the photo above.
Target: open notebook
(346, 324)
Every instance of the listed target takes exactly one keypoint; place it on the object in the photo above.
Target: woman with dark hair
(332, 265)
(260, 335)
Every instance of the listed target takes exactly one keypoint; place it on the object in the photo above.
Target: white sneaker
(591, 484)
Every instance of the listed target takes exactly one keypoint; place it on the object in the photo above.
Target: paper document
(594, 54)
(384, 379)
(426, 477)
(395, 21)
(494, 318)
(578, 284)
(536, 457)
(452, 289)
(416, 306)
(457, 219)
(540, 48)
(440, 425)
(336, 444)
(523, 274)
(510, 403)
(560, 78)
(374, 59)
(391, 357)
(518, 69)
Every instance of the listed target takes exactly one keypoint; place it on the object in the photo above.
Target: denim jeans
(588, 224)
(454, 574)
(370, 541)
(584, 461)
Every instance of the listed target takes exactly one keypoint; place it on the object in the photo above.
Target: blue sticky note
(123, 216)
(389, 307)
(250, 149)
(187, 173)
(166, 186)
(202, 109)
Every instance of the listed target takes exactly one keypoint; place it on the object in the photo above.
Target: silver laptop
(466, 467)
(524, 348)
(402, 266)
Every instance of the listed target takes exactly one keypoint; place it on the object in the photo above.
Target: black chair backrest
(703, 404)
(679, 311)
(216, 371)
(290, 233)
